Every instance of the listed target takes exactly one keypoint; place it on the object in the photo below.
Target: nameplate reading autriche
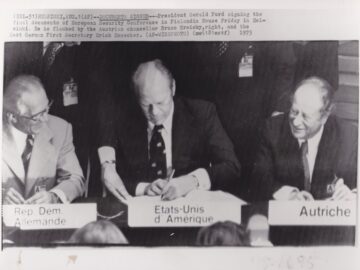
(49, 216)
(181, 213)
(321, 213)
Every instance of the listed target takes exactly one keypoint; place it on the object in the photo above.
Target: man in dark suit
(167, 146)
(309, 153)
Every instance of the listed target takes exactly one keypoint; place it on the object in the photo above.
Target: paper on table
(195, 195)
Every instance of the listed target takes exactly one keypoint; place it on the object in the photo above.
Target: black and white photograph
(163, 131)
(117, 123)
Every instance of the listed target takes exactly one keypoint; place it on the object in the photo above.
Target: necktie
(26, 155)
(50, 54)
(304, 150)
(157, 154)
(221, 48)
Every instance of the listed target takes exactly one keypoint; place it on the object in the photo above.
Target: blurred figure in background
(225, 233)
(98, 232)
(258, 228)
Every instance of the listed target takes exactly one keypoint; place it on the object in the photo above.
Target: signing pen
(169, 179)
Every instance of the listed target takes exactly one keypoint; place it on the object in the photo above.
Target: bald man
(308, 153)
(39, 164)
(167, 146)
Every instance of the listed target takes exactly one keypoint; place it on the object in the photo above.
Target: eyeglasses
(36, 117)
(306, 117)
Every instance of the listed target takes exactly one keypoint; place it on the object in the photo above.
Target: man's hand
(342, 192)
(178, 187)
(13, 197)
(301, 196)
(113, 182)
(43, 197)
(155, 188)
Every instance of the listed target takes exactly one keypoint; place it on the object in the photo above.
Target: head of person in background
(154, 88)
(311, 106)
(26, 105)
(225, 233)
(98, 232)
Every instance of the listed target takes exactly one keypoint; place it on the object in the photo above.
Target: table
(180, 236)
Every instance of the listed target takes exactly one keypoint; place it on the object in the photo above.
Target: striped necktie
(221, 48)
(26, 155)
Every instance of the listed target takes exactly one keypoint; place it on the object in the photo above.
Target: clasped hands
(341, 192)
(42, 197)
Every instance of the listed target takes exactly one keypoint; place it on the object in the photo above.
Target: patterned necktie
(304, 150)
(221, 48)
(50, 54)
(157, 154)
(26, 155)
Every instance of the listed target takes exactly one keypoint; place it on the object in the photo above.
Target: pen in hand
(171, 175)
(331, 187)
(169, 179)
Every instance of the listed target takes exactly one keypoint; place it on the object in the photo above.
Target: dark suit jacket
(198, 141)
(278, 161)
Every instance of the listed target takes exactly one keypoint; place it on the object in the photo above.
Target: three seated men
(168, 145)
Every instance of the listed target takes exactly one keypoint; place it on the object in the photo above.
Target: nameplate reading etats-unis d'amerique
(321, 213)
(181, 213)
(49, 216)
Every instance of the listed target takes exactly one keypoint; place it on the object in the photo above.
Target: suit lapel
(182, 133)
(291, 167)
(324, 167)
(11, 156)
(135, 143)
(42, 153)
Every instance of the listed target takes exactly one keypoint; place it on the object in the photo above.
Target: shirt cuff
(106, 153)
(60, 194)
(140, 189)
(203, 178)
(285, 193)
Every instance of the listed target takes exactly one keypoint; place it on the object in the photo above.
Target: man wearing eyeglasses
(39, 161)
(309, 153)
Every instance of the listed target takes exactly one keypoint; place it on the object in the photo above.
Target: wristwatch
(109, 162)
(55, 198)
(196, 181)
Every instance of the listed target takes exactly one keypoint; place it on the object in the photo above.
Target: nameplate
(49, 216)
(181, 213)
(318, 213)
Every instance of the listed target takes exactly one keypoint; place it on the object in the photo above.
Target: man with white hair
(39, 164)
(308, 153)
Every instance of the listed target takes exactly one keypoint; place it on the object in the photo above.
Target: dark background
(103, 71)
